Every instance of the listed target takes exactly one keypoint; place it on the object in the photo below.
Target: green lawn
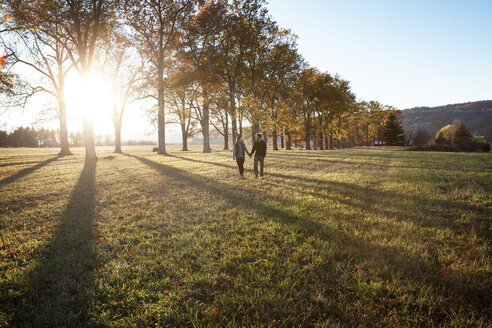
(343, 238)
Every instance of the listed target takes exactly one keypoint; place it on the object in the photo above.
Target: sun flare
(90, 96)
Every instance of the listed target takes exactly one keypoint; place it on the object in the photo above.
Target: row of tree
(31, 137)
(26, 137)
(201, 64)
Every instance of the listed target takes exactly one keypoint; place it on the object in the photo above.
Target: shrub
(445, 136)
(421, 139)
(479, 143)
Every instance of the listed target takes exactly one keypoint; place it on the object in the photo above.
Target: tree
(259, 70)
(237, 36)
(124, 65)
(445, 136)
(462, 136)
(47, 59)
(75, 25)
(308, 84)
(156, 24)
(7, 79)
(39, 48)
(22, 137)
(377, 111)
(220, 114)
(281, 62)
(4, 138)
(421, 138)
(181, 107)
(199, 57)
(84, 23)
(76, 139)
(393, 133)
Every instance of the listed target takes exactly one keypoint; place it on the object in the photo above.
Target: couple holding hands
(259, 150)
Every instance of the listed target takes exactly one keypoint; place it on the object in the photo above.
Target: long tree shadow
(58, 290)
(441, 213)
(26, 171)
(326, 158)
(18, 163)
(401, 262)
(352, 190)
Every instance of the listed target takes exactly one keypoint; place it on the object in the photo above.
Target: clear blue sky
(401, 53)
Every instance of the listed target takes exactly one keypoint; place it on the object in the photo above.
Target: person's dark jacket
(260, 148)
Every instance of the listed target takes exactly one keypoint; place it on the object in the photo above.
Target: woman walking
(238, 153)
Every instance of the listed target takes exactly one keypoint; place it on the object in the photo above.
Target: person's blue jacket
(239, 150)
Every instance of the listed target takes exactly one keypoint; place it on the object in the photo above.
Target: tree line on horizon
(41, 137)
(218, 64)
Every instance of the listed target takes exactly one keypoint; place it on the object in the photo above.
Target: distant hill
(477, 116)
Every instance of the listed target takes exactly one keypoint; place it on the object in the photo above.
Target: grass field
(360, 237)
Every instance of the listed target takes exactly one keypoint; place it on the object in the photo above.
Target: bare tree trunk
(205, 124)
(288, 144)
(331, 141)
(184, 136)
(90, 148)
(226, 132)
(274, 139)
(326, 141)
(241, 124)
(315, 133)
(255, 128)
(65, 150)
(296, 142)
(117, 127)
(117, 137)
(234, 128)
(233, 113)
(282, 140)
(161, 124)
(161, 120)
(320, 133)
(308, 128)
(265, 137)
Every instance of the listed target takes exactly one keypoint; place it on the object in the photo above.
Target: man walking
(259, 150)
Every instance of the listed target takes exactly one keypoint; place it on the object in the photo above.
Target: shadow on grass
(354, 190)
(327, 158)
(18, 163)
(58, 290)
(26, 171)
(399, 261)
(437, 212)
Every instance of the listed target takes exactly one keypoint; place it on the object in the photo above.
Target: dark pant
(240, 164)
(260, 159)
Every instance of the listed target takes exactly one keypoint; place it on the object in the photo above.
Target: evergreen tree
(462, 136)
(393, 134)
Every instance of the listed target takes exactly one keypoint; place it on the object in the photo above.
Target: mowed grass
(343, 238)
